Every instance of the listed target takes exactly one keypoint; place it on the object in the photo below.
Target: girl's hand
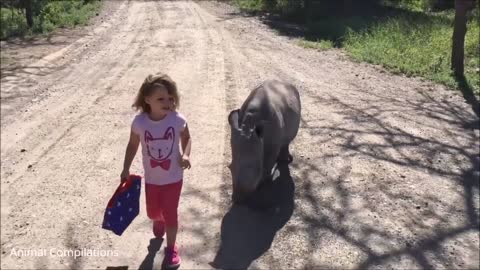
(185, 162)
(124, 176)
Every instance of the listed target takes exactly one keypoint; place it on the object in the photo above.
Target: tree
(458, 38)
(27, 5)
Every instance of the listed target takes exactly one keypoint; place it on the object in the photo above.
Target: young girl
(160, 129)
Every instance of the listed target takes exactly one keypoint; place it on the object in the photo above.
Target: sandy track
(383, 174)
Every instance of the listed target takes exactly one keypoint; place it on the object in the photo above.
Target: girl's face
(160, 101)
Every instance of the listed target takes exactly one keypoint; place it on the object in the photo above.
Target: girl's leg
(154, 209)
(171, 199)
(158, 228)
(171, 236)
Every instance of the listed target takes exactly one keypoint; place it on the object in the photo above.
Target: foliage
(48, 15)
(413, 37)
(418, 46)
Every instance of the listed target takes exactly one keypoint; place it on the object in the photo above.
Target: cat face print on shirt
(159, 149)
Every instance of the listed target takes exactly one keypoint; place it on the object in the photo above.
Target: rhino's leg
(239, 195)
(284, 155)
(270, 158)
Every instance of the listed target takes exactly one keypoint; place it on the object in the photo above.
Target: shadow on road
(153, 248)
(246, 234)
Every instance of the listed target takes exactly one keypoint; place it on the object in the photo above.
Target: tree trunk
(27, 4)
(458, 38)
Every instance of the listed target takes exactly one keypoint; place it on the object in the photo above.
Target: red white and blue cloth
(123, 206)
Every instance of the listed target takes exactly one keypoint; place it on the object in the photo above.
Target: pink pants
(162, 202)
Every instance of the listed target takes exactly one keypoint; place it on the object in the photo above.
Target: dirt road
(383, 173)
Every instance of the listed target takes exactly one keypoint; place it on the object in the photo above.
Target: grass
(250, 6)
(401, 36)
(335, 28)
(54, 14)
(318, 45)
(417, 46)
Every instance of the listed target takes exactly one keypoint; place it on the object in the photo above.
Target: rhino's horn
(233, 119)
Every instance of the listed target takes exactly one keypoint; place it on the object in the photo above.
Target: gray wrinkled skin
(261, 131)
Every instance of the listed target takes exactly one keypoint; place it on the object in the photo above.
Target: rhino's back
(277, 102)
(282, 96)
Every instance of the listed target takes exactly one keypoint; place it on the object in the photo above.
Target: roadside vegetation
(412, 37)
(23, 18)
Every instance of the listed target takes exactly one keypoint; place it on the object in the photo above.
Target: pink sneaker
(158, 228)
(172, 258)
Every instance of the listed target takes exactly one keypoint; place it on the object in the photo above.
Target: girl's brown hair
(151, 83)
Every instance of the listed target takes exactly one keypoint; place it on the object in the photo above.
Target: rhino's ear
(233, 119)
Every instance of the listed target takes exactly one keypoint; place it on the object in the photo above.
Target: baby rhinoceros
(261, 131)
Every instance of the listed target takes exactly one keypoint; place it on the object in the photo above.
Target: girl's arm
(186, 142)
(132, 148)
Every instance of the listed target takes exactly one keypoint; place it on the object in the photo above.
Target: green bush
(13, 23)
(413, 5)
(250, 5)
(67, 13)
(48, 15)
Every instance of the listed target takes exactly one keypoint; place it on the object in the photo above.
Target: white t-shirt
(160, 147)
